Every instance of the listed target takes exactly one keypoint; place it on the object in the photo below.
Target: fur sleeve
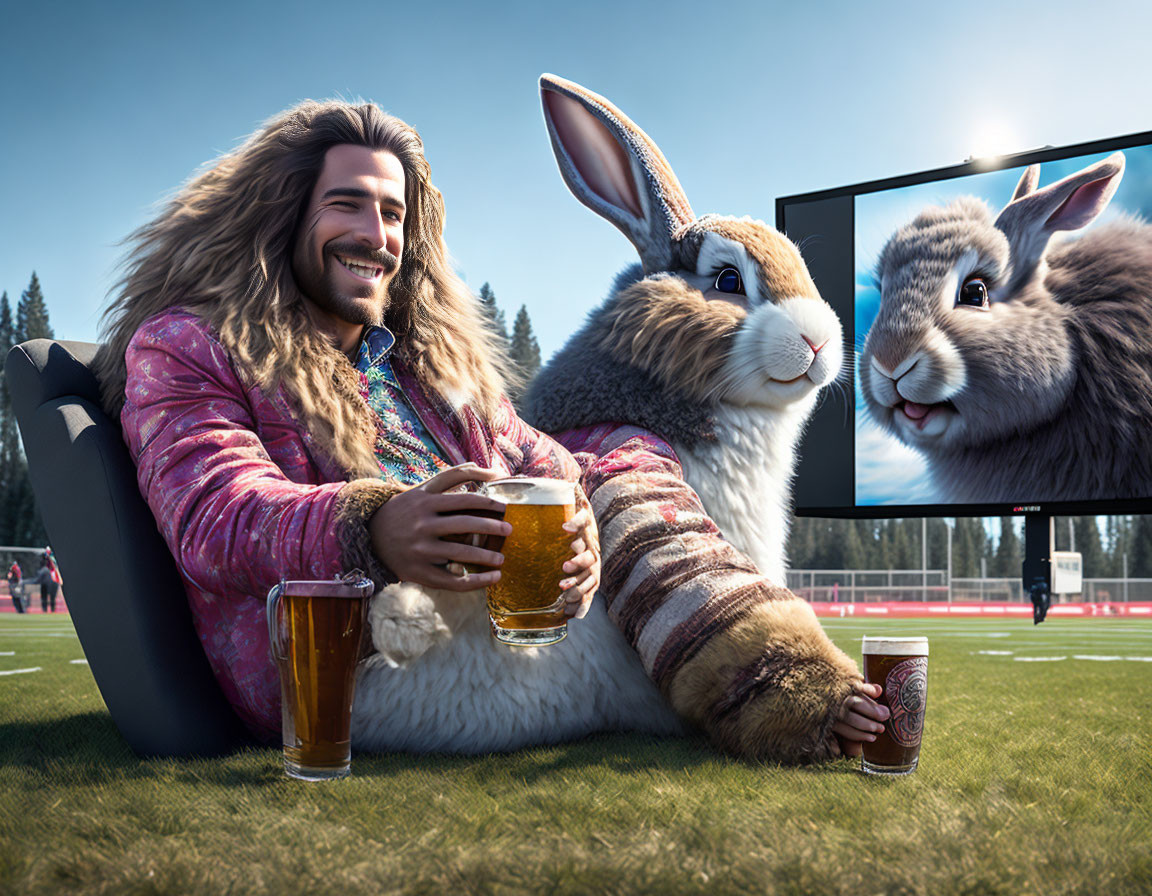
(355, 505)
(742, 658)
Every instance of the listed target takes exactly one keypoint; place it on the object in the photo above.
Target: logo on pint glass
(907, 688)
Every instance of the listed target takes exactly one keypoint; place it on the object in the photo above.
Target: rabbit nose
(812, 345)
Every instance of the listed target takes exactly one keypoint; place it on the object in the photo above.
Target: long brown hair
(221, 249)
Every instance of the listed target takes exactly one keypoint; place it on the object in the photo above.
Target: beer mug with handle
(316, 629)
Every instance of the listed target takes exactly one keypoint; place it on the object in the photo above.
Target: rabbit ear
(1031, 218)
(1028, 181)
(614, 168)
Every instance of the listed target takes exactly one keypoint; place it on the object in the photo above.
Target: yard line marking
(78, 662)
(995, 652)
(20, 671)
(7, 653)
(1039, 659)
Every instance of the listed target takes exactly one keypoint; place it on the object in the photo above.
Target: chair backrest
(124, 591)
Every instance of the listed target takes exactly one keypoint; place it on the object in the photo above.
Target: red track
(939, 609)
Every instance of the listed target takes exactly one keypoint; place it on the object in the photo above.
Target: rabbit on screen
(1020, 366)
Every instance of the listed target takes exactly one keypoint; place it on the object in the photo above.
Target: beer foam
(894, 646)
(529, 490)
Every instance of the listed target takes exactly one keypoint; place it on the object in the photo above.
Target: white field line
(20, 671)
(4, 634)
(995, 652)
(1039, 659)
(7, 653)
(78, 662)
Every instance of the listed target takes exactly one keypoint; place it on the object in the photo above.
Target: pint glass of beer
(900, 667)
(315, 629)
(526, 606)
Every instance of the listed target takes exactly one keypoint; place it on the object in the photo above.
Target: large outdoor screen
(1001, 323)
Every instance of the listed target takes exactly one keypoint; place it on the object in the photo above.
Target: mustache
(380, 258)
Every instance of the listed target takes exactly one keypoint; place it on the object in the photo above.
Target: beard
(321, 281)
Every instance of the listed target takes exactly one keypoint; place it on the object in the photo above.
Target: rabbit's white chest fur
(744, 479)
(469, 694)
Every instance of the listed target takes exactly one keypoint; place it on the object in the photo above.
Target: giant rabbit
(1019, 366)
(684, 396)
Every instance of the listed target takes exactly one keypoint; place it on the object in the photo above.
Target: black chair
(124, 592)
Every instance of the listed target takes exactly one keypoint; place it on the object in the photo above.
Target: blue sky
(107, 108)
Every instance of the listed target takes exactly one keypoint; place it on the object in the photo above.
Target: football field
(1035, 777)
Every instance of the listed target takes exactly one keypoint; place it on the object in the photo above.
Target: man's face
(350, 240)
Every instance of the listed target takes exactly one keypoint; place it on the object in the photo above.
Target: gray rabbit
(1020, 368)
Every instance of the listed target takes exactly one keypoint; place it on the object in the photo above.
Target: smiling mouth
(794, 379)
(919, 415)
(369, 272)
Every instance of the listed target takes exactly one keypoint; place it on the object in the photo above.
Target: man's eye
(728, 280)
(974, 293)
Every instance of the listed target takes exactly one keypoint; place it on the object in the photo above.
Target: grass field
(1035, 777)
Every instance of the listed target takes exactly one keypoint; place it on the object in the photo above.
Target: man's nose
(370, 229)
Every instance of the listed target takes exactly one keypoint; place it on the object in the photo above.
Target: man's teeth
(364, 270)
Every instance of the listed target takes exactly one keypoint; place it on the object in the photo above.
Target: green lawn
(1035, 777)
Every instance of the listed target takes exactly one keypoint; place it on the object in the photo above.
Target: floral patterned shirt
(405, 449)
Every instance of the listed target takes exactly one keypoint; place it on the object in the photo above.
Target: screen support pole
(1038, 542)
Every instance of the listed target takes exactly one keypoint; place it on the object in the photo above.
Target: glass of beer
(900, 667)
(526, 607)
(315, 629)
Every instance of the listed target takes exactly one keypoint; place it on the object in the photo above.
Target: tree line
(1125, 542)
(1124, 545)
(20, 522)
(521, 345)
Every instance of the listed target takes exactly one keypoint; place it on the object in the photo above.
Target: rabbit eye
(728, 280)
(974, 293)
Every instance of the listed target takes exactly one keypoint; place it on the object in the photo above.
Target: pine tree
(1092, 557)
(32, 314)
(20, 517)
(1119, 538)
(494, 314)
(801, 545)
(1009, 559)
(968, 547)
(855, 556)
(1140, 549)
(9, 447)
(524, 352)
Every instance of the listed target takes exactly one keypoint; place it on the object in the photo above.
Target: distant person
(16, 586)
(49, 578)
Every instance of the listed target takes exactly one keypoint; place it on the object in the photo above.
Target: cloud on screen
(887, 471)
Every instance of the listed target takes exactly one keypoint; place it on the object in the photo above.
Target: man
(304, 385)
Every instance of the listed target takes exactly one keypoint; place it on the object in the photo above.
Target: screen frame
(971, 167)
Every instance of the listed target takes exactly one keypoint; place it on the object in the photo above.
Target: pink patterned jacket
(244, 497)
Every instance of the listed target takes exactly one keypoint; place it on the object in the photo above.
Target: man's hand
(584, 568)
(859, 721)
(408, 531)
